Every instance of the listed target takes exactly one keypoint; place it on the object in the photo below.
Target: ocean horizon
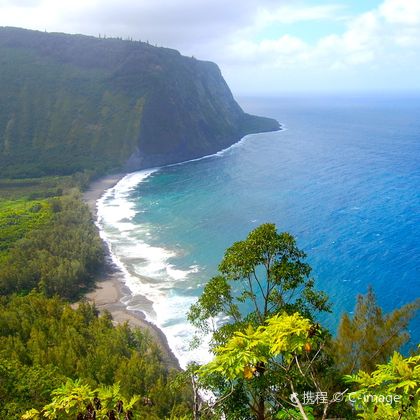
(342, 176)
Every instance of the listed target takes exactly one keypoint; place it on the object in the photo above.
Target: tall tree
(370, 337)
(261, 277)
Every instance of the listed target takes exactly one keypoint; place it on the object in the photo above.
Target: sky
(263, 47)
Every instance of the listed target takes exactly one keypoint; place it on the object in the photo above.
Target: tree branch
(254, 300)
(298, 403)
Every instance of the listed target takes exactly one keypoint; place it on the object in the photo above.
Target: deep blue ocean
(343, 176)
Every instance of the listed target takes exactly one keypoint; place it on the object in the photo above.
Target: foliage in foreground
(45, 341)
(390, 392)
(262, 277)
(77, 400)
(270, 275)
(270, 353)
(264, 357)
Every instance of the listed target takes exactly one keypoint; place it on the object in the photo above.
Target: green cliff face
(72, 102)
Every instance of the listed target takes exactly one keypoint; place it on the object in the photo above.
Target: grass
(18, 217)
(24, 206)
(28, 204)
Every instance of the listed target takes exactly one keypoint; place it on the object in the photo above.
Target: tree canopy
(370, 337)
(260, 276)
(270, 353)
(268, 302)
(45, 342)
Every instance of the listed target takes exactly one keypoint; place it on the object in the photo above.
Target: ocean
(342, 176)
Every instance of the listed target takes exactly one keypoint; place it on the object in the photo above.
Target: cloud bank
(266, 46)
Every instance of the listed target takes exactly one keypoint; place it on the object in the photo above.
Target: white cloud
(357, 45)
(279, 52)
(368, 37)
(20, 3)
(180, 24)
(405, 12)
(294, 13)
(239, 35)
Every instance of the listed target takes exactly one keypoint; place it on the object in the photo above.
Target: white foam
(171, 317)
(222, 152)
(217, 154)
(113, 206)
(178, 274)
(147, 269)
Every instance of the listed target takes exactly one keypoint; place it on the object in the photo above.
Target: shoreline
(110, 289)
(109, 286)
(97, 189)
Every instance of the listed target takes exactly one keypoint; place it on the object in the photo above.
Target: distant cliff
(73, 102)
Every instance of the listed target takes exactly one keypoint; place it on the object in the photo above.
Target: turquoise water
(343, 177)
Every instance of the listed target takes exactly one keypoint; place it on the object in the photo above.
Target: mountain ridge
(75, 102)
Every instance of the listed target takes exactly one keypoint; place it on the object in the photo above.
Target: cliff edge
(74, 102)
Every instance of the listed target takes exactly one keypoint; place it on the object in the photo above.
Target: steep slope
(73, 102)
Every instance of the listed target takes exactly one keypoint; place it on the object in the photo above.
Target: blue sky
(265, 47)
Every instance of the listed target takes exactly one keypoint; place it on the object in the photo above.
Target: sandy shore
(110, 288)
(97, 188)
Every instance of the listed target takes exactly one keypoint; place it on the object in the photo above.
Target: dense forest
(50, 254)
(48, 244)
(45, 342)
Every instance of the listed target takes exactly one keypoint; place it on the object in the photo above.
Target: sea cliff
(72, 103)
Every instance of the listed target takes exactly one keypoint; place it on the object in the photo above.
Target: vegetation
(270, 352)
(71, 103)
(272, 277)
(262, 358)
(272, 359)
(60, 257)
(51, 247)
(76, 399)
(18, 217)
(45, 187)
(59, 119)
(392, 391)
(370, 337)
(45, 341)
